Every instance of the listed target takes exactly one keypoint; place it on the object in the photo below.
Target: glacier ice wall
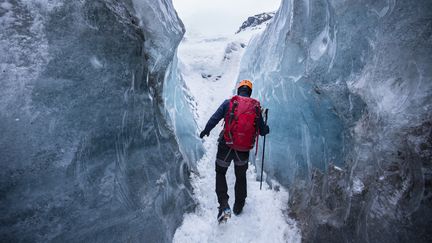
(348, 85)
(86, 154)
(181, 112)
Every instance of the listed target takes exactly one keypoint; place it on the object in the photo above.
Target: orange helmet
(245, 82)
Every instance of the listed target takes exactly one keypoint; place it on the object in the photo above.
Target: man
(243, 122)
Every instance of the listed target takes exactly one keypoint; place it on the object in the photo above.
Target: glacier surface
(86, 152)
(348, 85)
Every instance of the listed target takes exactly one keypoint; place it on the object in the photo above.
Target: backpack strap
(257, 110)
(231, 117)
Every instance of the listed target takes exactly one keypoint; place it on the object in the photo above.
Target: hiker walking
(243, 123)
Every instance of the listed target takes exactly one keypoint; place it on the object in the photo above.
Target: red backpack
(241, 123)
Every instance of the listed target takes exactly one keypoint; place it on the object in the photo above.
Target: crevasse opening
(208, 65)
(100, 110)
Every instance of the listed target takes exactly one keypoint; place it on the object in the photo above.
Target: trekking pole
(263, 152)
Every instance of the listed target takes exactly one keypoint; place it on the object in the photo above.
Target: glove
(203, 133)
(266, 130)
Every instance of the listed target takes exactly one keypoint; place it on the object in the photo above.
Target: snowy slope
(210, 68)
(258, 21)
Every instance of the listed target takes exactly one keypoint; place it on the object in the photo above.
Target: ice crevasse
(93, 148)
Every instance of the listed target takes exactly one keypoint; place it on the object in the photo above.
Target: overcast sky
(220, 16)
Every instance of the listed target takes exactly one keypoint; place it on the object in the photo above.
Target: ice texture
(86, 154)
(348, 85)
(181, 112)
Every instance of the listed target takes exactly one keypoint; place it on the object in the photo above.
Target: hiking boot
(224, 214)
(238, 207)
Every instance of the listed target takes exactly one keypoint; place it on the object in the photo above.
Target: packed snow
(210, 68)
(264, 217)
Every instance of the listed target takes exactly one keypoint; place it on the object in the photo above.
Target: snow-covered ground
(210, 68)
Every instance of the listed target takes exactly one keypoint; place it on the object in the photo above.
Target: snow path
(264, 218)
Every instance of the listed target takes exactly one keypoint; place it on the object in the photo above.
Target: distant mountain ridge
(256, 21)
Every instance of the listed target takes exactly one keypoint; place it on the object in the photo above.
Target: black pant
(223, 159)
